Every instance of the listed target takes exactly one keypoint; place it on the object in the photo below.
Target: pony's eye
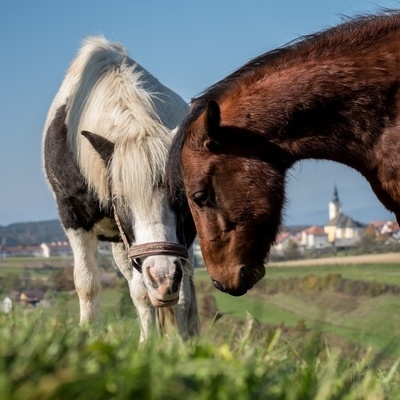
(200, 198)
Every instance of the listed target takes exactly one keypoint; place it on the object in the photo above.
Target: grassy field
(48, 357)
(34, 262)
(369, 321)
(313, 345)
(386, 273)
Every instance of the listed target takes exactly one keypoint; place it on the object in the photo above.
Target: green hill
(31, 233)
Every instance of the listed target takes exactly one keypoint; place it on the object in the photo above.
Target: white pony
(105, 145)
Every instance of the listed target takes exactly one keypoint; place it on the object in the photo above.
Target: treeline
(333, 281)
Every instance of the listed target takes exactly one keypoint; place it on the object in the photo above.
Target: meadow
(304, 341)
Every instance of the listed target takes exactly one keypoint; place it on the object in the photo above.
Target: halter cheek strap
(121, 231)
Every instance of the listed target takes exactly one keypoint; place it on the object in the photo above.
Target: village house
(283, 242)
(46, 250)
(54, 249)
(21, 251)
(386, 228)
(314, 237)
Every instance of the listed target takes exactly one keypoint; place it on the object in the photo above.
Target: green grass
(34, 262)
(243, 355)
(385, 273)
(43, 357)
(369, 322)
(372, 322)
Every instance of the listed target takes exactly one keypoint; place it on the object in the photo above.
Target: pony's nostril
(178, 273)
(176, 280)
(218, 285)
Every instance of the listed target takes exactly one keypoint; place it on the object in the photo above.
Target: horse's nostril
(237, 292)
(218, 285)
(233, 292)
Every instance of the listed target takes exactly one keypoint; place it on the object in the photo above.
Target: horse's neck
(332, 111)
(348, 112)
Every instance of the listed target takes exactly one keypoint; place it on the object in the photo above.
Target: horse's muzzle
(247, 278)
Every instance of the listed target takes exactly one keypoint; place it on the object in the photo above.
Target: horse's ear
(213, 117)
(212, 122)
(103, 146)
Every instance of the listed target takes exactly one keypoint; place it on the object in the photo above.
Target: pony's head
(143, 215)
(235, 191)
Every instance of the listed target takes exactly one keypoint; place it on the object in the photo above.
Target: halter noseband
(149, 249)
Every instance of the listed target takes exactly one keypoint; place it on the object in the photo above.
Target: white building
(314, 237)
(283, 242)
(56, 249)
(342, 230)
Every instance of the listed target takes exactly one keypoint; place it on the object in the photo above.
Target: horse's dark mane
(353, 33)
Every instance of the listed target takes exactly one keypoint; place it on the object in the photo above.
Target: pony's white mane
(105, 94)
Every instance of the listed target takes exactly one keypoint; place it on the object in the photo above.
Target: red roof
(281, 237)
(315, 230)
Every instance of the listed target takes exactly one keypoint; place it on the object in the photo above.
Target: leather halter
(149, 249)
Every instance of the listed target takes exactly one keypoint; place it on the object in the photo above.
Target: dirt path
(386, 258)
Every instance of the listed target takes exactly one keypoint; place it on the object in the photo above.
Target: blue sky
(187, 45)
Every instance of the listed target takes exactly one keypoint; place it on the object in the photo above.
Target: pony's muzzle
(162, 278)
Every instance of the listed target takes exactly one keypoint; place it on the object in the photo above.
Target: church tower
(335, 206)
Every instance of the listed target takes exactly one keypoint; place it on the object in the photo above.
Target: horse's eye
(200, 198)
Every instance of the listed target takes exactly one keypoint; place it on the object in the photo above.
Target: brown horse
(333, 96)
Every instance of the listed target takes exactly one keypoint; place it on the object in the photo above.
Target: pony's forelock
(134, 178)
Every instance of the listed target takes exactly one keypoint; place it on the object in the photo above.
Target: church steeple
(335, 206)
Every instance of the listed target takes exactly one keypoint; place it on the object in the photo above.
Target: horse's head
(235, 190)
(146, 222)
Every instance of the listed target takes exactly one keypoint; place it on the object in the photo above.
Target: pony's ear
(103, 146)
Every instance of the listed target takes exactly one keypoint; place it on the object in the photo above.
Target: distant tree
(292, 251)
(63, 279)
(11, 281)
(106, 263)
(25, 278)
(368, 240)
